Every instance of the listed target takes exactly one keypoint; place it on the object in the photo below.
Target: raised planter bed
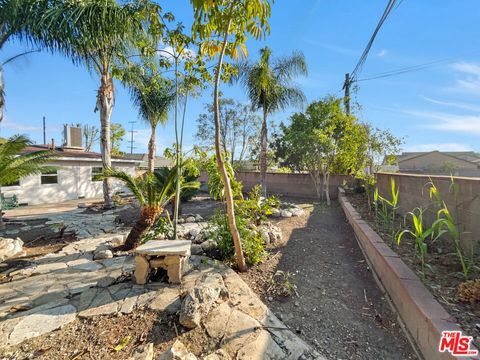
(423, 316)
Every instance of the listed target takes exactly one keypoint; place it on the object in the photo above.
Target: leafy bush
(253, 208)
(162, 228)
(215, 182)
(252, 241)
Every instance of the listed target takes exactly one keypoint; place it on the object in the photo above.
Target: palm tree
(97, 34)
(153, 96)
(153, 192)
(269, 87)
(15, 165)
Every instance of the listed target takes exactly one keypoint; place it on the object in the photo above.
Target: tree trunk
(148, 217)
(2, 93)
(263, 153)
(317, 183)
(220, 161)
(2, 223)
(151, 152)
(326, 181)
(105, 100)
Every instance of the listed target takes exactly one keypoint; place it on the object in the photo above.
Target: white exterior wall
(74, 182)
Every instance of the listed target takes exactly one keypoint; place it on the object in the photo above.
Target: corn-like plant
(388, 209)
(420, 234)
(447, 222)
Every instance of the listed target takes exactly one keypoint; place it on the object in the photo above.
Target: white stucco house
(73, 179)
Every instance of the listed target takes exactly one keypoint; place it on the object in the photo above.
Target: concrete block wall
(414, 192)
(295, 185)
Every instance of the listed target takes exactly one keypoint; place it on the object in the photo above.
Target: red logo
(456, 344)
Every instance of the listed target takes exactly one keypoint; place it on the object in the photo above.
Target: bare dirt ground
(339, 308)
(442, 275)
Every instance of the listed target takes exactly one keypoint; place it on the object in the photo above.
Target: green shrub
(252, 241)
(215, 182)
(163, 226)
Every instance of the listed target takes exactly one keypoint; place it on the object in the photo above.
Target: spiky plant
(269, 87)
(153, 192)
(14, 164)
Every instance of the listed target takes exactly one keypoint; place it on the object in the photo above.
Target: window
(95, 172)
(16, 183)
(50, 177)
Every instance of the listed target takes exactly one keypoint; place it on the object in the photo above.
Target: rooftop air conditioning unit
(72, 137)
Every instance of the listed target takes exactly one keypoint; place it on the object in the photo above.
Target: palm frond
(132, 183)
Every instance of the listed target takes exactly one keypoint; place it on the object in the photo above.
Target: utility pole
(346, 87)
(131, 137)
(44, 132)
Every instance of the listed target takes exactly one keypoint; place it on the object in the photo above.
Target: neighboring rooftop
(463, 155)
(71, 152)
(160, 161)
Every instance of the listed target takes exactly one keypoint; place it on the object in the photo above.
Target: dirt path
(339, 308)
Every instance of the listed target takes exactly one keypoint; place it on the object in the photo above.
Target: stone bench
(171, 255)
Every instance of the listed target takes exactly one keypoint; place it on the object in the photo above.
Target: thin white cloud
(169, 53)
(449, 122)
(459, 105)
(20, 127)
(470, 82)
(382, 53)
(468, 68)
(439, 147)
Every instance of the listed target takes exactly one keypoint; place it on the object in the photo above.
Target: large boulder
(199, 300)
(10, 248)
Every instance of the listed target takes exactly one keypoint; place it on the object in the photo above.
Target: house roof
(159, 161)
(72, 153)
(468, 156)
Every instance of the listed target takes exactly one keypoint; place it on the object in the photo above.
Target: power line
(390, 6)
(411, 68)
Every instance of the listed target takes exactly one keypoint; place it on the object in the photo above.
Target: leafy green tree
(15, 163)
(153, 95)
(321, 140)
(117, 132)
(239, 128)
(222, 28)
(153, 192)
(269, 86)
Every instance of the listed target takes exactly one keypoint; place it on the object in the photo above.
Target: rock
(82, 205)
(286, 213)
(208, 245)
(297, 211)
(144, 352)
(167, 300)
(220, 354)
(194, 232)
(199, 300)
(45, 321)
(102, 255)
(10, 247)
(198, 218)
(276, 213)
(190, 219)
(196, 249)
(181, 220)
(177, 351)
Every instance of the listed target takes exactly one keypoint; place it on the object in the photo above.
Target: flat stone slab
(165, 248)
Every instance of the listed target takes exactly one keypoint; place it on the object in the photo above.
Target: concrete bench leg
(174, 269)
(142, 268)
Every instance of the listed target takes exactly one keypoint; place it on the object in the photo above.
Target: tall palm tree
(14, 164)
(153, 96)
(269, 87)
(97, 34)
(153, 192)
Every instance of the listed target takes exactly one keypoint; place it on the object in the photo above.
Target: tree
(239, 128)
(97, 34)
(153, 192)
(222, 27)
(14, 164)
(153, 96)
(269, 86)
(91, 135)
(117, 132)
(321, 140)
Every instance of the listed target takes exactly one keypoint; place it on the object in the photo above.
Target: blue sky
(436, 108)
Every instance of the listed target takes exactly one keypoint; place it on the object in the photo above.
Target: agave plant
(153, 192)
